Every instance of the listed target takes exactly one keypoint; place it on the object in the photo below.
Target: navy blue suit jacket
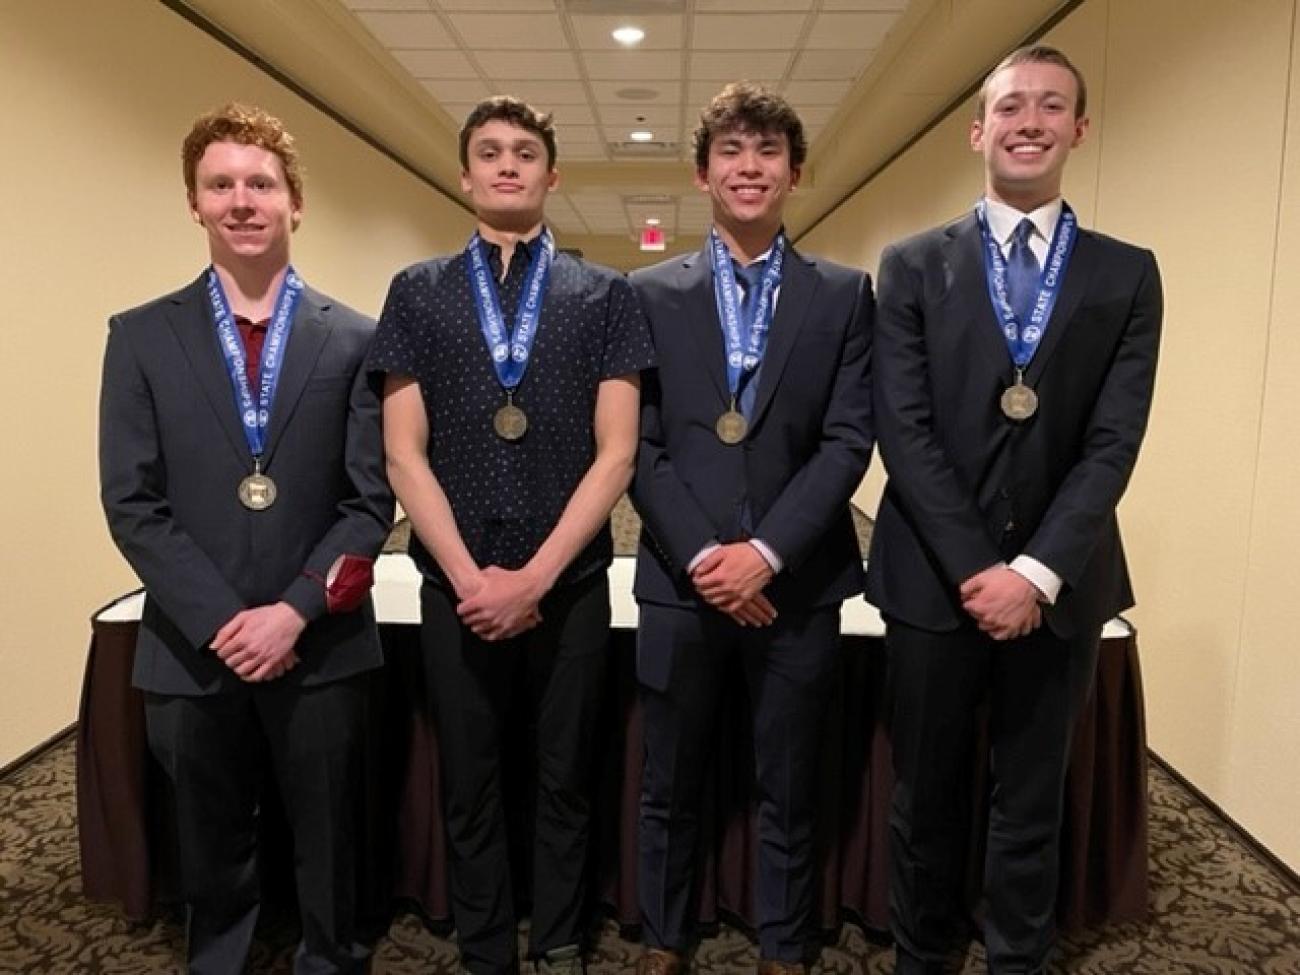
(172, 453)
(967, 488)
(808, 443)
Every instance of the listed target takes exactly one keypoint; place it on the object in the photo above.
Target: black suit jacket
(967, 488)
(808, 444)
(172, 454)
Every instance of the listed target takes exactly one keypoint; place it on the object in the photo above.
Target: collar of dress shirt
(1004, 219)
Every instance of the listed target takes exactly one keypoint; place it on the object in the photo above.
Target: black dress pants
(558, 668)
(214, 751)
(787, 669)
(1034, 688)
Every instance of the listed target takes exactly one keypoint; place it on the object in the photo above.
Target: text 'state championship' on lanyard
(510, 351)
(1019, 401)
(745, 336)
(257, 491)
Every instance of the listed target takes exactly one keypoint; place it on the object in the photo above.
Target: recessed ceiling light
(628, 35)
(652, 221)
(641, 135)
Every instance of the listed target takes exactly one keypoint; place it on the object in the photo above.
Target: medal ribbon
(746, 340)
(255, 413)
(510, 353)
(1023, 337)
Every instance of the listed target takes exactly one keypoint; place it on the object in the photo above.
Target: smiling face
(748, 177)
(242, 199)
(1027, 131)
(507, 175)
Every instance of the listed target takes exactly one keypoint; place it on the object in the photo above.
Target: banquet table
(125, 827)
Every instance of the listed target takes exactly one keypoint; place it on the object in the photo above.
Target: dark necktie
(751, 279)
(1022, 273)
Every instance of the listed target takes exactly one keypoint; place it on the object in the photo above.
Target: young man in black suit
(241, 469)
(750, 450)
(1015, 360)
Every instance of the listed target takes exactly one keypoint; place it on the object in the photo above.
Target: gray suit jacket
(172, 454)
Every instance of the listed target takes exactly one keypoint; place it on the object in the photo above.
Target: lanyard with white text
(746, 339)
(510, 352)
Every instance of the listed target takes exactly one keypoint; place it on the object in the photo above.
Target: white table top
(397, 600)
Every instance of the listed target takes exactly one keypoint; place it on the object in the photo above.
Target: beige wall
(98, 98)
(1195, 152)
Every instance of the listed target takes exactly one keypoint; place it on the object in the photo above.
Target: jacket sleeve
(816, 495)
(1087, 498)
(940, 508)
(133, 489)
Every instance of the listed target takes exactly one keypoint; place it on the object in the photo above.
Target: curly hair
(250, 126)
(515, 111)
(748, 107)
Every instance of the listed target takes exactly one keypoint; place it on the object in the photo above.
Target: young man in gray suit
(241, 469)
(750, 450)
(1015, 358)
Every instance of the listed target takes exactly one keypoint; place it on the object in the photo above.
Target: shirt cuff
(1047, 582)
(769, 556)
(699, 556)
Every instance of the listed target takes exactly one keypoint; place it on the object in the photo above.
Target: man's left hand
(257, 644)
(505, 605)
(731, 576)
(1003, 602)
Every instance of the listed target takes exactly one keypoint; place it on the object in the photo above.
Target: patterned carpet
(1217, 908)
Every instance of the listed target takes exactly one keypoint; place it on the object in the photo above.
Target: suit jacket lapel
(967, 294)
(311, 327)
(696, 279)
(1077, 277)
(798, 286)
(191, 320)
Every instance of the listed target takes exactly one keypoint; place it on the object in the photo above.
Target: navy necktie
(751, 278)
(1022, 273)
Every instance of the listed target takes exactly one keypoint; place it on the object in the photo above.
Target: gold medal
(732, 426)
(1019, 402)
(257, 491)
(510, 422)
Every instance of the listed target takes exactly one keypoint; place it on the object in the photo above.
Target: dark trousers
(1034, 688)
(787, 669)
(215, 751)
(558, 668)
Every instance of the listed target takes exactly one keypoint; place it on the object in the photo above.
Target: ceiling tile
(748, 32)
(421, 5)
(457, 89)
(574, 134)
(665, 92)
(831, 65)
(435, 64)
(407, 30)
(651, 115)
(662, 31)
(516, 31)
(616, 65)
(572, 115)
(724, 66)
(745, 6)
(855, 31)
(816, 115)
(548, 65)
(582, 152)
(898, 6)
(801, 93)
(495, 5)
(547, 95)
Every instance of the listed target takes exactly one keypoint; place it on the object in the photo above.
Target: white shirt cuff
(699, 556)
(769, 556)
(1047, 582)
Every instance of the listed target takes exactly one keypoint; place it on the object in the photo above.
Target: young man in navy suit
(755, 431)
(241, 468)
(1015, 360)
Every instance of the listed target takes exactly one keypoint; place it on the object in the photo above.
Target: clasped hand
(258, 643)
(731, 579)
(1003, 602)
(498, 603)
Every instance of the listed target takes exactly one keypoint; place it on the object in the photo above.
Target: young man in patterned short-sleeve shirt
(510, 426)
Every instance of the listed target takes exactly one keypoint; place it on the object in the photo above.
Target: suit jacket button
(1003, 493)
(1009, 527)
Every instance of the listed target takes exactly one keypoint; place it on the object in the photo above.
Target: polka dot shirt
(507, 496)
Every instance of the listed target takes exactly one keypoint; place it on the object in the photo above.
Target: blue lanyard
(1023, 337)
(255, 414)
(510, 353)
(746, 340)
